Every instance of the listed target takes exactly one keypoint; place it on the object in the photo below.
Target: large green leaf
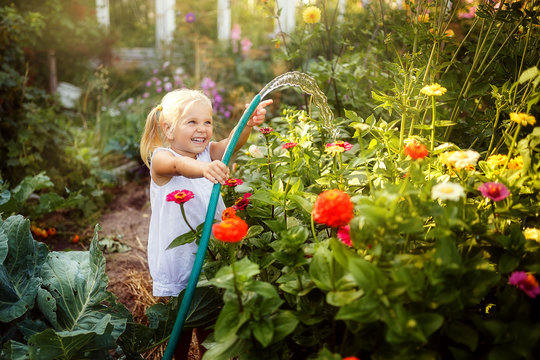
(19, 272)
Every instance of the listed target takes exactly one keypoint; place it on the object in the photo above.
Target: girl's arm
(218, 149)
(165, 165)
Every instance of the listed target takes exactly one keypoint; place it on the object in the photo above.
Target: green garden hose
(205, 237)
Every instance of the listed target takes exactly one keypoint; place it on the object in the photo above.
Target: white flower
(463, 159)
(255, 151)
(447, 191)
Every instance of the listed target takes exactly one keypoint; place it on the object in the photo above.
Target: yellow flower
(433, 90)
(423, 18)
(523, 119)
(334, 149)
(311, 15)
(516, 163)
(496, 160)
(531, 234)
(449, 33)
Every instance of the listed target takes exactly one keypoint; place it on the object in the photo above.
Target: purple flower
(148, 83)
(526, 282)
(155, 71)
(145, 95)
(494, 191)
(130, 101)
(168, 86)
(159, 89)
(190, 17)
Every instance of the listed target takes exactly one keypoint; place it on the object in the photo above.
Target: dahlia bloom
(494, 191)
(526, 282)
(233, 182)
(415, 150)
(180, 196)
(344, 234)
(311, 15)
(230, 230)
(333, 208)
(447, 191)
(433, 90)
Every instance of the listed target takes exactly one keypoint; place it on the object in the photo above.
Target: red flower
(344, 235)
(75, 239)
(494, 191)
(228, 213)
(416, 150)
(242, 203)
(345, 145)
(333, 208)
(351, 358)
(526, 282)
(266, 130)
(180, 196)
(289, 145)
(230, 230)
(233, 182)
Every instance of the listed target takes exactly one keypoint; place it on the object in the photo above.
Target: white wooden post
(165, 23)
(224, 19)
(342, 4)
(287, 18)
(102, 12)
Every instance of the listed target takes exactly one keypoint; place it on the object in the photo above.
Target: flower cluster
(43, 233)
(209, 87)
(526, 282)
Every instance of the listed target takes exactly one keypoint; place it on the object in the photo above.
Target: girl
(191, 161)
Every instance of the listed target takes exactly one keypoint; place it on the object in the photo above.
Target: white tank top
(170, 269)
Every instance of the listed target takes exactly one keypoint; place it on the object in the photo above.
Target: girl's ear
(165, 129)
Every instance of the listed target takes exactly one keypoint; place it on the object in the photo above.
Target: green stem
(497, 115)
(313, 229)
(238, 295)
(433, 118)
(511, 148)
(185, 219)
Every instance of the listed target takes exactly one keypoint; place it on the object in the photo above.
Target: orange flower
(415, 150)
(51, 231)
(230, 230)
(516, 163)
(333, 208)
(75, 239)
(228, 213)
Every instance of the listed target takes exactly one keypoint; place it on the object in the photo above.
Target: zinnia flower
(494, 191)
(190, 17)
(311, 15)
(333, 208)
(230, 230)
(242, 203)
(496, 160)
(334, 149)
(532, 234)
(344, 234)
(526, 282)
(255, 151)
(460, 159)
(523, 119)
(415, 150)
(180, 196)
(433, 90)
(289, 145)
(233, 182)
(516, 163)
(266, 130)
(345, 145)
(447, 191)
(228, 213)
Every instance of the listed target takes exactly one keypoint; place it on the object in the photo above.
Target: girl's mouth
(198, 140)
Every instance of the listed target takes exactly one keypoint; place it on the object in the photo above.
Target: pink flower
(236, 32)
(289, 145)
(494, 191)
(233, 182)
(246, 44)
(344, 235)
(266, 130)
(526, 282)
(345, 145)
(180, 196)
(190, 17)
(242, 202)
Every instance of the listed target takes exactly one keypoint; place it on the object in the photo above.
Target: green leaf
(183, 239)
(321, 269)
(229, 321)
(366, 275)
(528, 74)
(264, 196)
(14, 350)
(462, 334)
(301, 201)
(254, 230)
(263, 330)
(284, 323)
(19, 272)
(429, 322)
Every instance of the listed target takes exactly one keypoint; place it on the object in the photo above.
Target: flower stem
(511, 148)
(238, 295)
(185, 219)
(432, 124)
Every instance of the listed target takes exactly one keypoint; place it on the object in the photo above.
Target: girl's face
(192, 133)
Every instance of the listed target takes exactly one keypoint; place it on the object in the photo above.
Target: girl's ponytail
(151, 137)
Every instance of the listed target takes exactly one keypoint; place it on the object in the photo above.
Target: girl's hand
(216, 172)
(259, 114)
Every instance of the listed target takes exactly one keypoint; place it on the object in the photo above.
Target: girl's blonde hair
(174, 106)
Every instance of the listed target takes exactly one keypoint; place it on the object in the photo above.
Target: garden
(388, 207)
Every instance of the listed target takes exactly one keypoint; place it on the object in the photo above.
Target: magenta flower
(344, 235)
(242, 202)
(345, 145)
(494, 191)
(289, 145)
(266, 130)
(180, 196)
(233, 182)
(526, 282)
(190, 17)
